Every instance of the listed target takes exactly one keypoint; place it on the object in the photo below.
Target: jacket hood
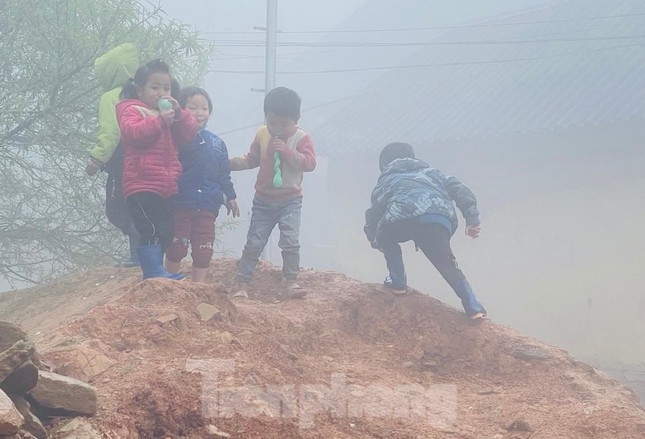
(122, 105)
(405, 165)
(116, 66)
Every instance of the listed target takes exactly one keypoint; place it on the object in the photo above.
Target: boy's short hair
(284, 102)
(188, 92)
(393, 151)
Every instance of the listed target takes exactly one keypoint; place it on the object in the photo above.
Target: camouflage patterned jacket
(410, 188)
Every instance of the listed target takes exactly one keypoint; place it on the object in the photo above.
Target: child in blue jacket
(204, 186)
(413, 201)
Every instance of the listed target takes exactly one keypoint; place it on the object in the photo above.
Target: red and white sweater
(300, 158)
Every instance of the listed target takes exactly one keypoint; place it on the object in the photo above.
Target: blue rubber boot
(471, 305)
(396, 280)
(151, 260)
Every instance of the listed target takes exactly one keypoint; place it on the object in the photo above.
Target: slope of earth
(350, 360)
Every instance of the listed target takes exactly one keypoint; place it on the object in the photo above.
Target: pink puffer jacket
(151, 147)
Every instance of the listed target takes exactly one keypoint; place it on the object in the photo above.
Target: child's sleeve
(372, 217)
(185, 128)
(224, 172)
(250, 160)
(138, 130)
(464, 198)
(109, 134)
(303, 157)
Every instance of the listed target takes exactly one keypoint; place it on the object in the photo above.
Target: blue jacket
(410, 188)
(205, 183)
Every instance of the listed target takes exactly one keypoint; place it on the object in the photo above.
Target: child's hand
(173, 101)
(279, 145)
(282, 148)
(231, 206)
(168, 116)
(473, 230)
(92, 167)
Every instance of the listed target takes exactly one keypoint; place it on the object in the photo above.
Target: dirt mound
(349, 361)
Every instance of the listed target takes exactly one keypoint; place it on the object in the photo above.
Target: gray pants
(264, 217)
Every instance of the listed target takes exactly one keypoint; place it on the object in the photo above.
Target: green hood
(115, 67)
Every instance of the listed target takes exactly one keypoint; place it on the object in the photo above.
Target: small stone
(429, 363)
(167, 318)
(207, 311)
(226, 337)
(217, 432)
(518, 425)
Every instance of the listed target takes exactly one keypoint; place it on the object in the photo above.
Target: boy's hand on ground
(231, 206)
(473, 230)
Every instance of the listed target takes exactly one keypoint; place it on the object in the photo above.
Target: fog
(560, 253)
(560, 193)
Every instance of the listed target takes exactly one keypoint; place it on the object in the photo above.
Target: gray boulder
(59, 392)
(10, 419)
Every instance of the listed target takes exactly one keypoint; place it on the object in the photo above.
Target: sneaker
(478, 316)
(293, 291)
(241, 292)
(388, 283)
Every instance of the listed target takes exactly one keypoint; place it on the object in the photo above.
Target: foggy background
(561, 195)
(560, 187)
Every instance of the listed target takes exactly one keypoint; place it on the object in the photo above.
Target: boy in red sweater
(283, 152)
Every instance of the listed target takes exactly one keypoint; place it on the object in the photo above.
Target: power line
(467, 26)
(243, 43)
(304, 72)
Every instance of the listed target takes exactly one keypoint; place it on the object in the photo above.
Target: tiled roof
(562, 66)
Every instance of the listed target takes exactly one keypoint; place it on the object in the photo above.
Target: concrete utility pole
(271, 40)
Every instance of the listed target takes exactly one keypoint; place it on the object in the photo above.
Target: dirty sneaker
(397, 288)
(241, 291)
(478, 316)
(293, 291)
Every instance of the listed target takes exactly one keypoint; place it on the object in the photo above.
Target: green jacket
(112, 69)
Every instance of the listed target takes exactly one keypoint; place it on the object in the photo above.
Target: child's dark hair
(129, 90)
(393, 151)
(283, 102)
(174, 88)
(188, 92)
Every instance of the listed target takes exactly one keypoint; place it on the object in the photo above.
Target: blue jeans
(434, 241)
(264, 217)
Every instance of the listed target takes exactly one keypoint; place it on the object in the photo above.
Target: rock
(21, 380)
(519, 425)
(166, 318)
(10, 334)
(56, 391)
(530, 353)
(214, 431)
(77, 428)
(207, 311)
(226, 337)
(14, 357)
(32, 424)
(10, 419)
(82, 363)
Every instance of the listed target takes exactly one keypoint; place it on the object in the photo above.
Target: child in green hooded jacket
(112, 70)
